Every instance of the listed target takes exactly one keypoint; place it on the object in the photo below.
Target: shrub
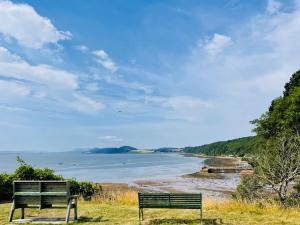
(74, 186)
(45, 174)
(86, 190)
(27, 172)
(250, 188)
(24, 172)
(297, 189)
(5, 186)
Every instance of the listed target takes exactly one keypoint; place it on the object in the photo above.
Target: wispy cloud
(85, 104)
(13, 89)
(217, 44)
(103, 58)
(13, 66)
(45, 82)
(22, 23)
(110, 138)
(81, 48)
(273, 6)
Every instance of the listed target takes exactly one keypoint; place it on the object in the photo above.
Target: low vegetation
(120, 207)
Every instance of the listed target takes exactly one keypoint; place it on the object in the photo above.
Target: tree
(279, 165)
(283, 115)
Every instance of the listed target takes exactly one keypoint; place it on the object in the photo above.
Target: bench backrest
(170, 200)
(41, 194)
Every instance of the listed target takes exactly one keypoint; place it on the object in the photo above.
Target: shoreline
(213, 185)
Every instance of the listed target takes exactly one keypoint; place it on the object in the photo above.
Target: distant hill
(167, 149)
(123, 149)
(237, 147)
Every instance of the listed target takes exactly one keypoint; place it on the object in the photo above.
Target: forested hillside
(238, 147)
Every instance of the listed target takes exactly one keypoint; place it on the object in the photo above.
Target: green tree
(283, 116)
(277, 163)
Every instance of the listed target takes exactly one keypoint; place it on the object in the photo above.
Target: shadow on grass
(91, 219)
(186, 221)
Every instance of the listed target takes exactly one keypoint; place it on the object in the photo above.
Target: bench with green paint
(169, 201)
(43, 195)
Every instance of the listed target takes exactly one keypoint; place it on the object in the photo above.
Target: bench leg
(201, 216)
(139, 214)
(22, 213)
(12, 210)
(75, 210)
(68, 212)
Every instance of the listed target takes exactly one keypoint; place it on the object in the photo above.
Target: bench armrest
(74, 196)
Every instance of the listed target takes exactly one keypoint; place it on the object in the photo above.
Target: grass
(121, 208)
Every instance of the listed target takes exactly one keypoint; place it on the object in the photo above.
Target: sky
(173, 73)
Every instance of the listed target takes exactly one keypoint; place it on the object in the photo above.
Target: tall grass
(130, 197)
(124, 197)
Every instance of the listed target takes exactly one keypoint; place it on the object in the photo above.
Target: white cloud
(85, 104)
(119, 81)
(12, 108)
(111, 138)
(47, 82)
(92, 87)
(186, 102)
(273, 6)
(81, 48)
(105, 60)
(13, 89)
(13, 66)
(22, 23)
(217, 44)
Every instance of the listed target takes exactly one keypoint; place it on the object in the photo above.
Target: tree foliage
(277, 163)
(237, 147)
(283, 116)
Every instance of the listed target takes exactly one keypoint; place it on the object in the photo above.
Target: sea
(107, 168)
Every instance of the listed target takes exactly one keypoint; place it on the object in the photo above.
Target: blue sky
(76, 74)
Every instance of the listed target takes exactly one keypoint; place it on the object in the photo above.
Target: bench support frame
(71, 200)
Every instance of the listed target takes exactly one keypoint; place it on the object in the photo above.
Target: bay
(115, 168)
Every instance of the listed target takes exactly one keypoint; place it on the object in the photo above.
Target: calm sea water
(120, 168)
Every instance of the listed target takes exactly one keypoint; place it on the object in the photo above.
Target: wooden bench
(170, 201)
(42, 195)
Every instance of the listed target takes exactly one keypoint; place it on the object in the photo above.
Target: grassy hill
(237, 147)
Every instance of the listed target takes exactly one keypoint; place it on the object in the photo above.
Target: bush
(250, 188)
(74, 187)
(45, 174)
(27, 172)
(86, 190)
(5, 186)
(24, 172)
(297, 189)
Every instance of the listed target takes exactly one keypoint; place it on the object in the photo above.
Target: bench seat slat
(41, 193)
(170, 200)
